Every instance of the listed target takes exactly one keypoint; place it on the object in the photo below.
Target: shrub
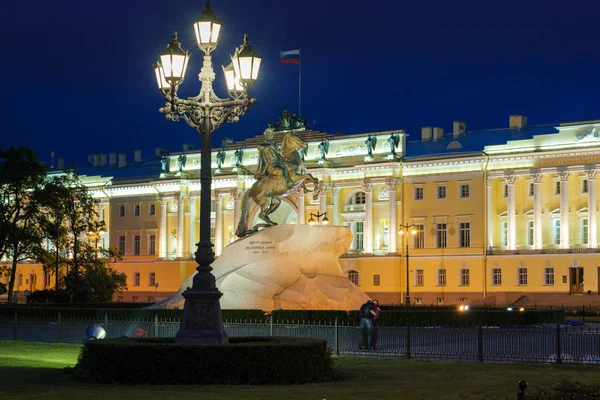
(245, 360)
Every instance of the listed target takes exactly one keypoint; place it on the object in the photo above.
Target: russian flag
(290, 57)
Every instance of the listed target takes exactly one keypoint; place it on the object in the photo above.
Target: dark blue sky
(77, 75)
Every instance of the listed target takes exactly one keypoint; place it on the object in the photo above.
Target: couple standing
(369, 313)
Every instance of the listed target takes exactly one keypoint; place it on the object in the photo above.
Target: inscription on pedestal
(260, 247)
(201, 317)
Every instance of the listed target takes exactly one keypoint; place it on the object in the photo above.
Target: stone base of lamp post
(202, 320)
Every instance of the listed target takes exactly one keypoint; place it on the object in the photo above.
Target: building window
(121, 211)
(136, 245)
(556, 231)
(353, 276)
(530, 189)
(20, 280)
(119, 299)
(584, 186)
(152, 245)
(441, 281)
(440, 301)
(464, 299)
(151, 279)
(136, 279)
(529, 233)
(48, 280)
(522, 276)
(441, 192)
(419, 237)
(122, 244)
(496, 276)
(419, 281)
(549, 276)
(135, 299)
(418, 300)
(152, 209)
(465, 234)
(376, 280)
(441, 233)
(419, 192)
(557, 188)
(150, 299)
(358, 242)
(359, 198)
(465, 277)
(136, 210)
(504, 191)
(504, 233)
(583, 222)
(465, 190)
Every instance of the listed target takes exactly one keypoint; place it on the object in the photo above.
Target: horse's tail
(242, 227)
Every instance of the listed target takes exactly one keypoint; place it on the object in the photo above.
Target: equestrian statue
(278, 173)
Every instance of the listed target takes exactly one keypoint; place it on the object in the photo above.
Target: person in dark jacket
(367, 312)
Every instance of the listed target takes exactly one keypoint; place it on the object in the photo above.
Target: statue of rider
(270, 161)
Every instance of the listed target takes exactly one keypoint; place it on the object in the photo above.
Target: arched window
(353, 276)
(358, 198)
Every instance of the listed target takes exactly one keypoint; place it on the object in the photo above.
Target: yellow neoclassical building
(490, 216)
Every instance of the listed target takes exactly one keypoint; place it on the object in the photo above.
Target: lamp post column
(407, 300)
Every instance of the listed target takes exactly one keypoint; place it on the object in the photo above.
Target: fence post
(155, 325)
(271, 326)
(16, 326)
(336, 338)
(407, 340)
(558, 350)
(480, 342)
(106, 322)
(522, 395)
(59, 328)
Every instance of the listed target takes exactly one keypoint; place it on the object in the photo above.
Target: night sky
(78, 78)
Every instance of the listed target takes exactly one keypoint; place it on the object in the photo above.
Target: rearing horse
(265, 192)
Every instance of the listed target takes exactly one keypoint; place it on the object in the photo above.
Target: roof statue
(220, 158)
(165, 164)
(277, 175)
(181, 160)
(371, 142)
(393, 141)
(323, 149)
(288, 121)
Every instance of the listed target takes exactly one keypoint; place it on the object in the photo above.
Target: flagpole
(299, 84)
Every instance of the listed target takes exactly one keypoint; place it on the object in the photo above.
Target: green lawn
(33, 370)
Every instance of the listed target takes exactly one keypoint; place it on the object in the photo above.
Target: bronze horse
(276, 181)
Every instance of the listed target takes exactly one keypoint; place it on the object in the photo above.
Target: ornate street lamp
(202, 320)
(319, 221)
(402, 229)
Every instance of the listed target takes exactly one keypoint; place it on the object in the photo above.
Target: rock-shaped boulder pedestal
(284, 266)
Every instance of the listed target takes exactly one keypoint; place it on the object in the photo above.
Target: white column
(162, 229)
(335, 192)
(490, 216)
(512, 214)
(564, 209)
(392, 236)
(193, 229)
(323, 198)
(299, 193)
(237, 195)
(368, 187)
(592, 228)
(218, 199)
(537, 211)
(180, 219)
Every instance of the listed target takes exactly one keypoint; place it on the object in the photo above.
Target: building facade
(488, 216)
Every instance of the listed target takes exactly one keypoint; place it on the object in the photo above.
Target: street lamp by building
(319, 221)
(205, 113)
(402, 229)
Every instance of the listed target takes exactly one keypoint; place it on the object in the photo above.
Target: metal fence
(538, 344)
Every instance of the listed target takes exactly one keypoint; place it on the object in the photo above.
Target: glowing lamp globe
(246, 64)
(174, 61)
(207, 29)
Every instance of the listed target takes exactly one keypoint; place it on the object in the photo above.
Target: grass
(34, 370)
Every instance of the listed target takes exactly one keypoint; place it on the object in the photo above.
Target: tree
(21, 177)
